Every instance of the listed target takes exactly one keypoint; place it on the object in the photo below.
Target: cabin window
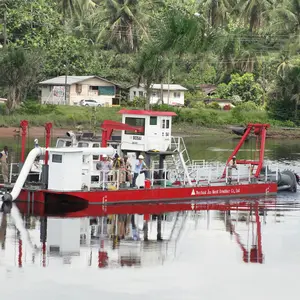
(83, 145)
(153, 120)
(135, 122)
(68, 143)
(57, 158)
(163, 123)
(96, 157)
(167, 123)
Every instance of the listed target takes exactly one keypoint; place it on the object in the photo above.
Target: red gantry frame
(260, 130)
(109, 126)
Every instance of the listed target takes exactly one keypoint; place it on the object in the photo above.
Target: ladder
(181, 159)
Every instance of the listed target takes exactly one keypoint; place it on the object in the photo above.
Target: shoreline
(178, 129)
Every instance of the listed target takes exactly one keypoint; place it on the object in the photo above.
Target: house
(208, 89)
(79, 88)
(172, 94)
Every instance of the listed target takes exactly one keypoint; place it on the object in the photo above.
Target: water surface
(204, 258)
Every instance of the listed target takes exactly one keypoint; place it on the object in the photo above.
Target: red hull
(96, 203)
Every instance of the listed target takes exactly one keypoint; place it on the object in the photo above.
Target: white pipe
(41, 151)
(25, 171)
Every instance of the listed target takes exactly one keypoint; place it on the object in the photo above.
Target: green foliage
(248, 49)
(284, 101)
(31, 23)
(138, 102)
(19, 72)
(243, 111)
(243, 86)
(214, 105)
(193, 98)
(35, 108)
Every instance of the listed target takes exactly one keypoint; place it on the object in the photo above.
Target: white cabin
(157, 130)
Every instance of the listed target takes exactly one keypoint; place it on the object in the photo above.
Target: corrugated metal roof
(147, 112)
(172, 87)
(157, 86)
(60, 80)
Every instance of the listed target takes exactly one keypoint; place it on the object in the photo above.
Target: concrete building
(79, 88)
(172, 94)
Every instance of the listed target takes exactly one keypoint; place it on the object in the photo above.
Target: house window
(135, 122)
(176, 94)
(106, 90)
(154, 94)
(153, 120)
(57, 158)
(141, 94)
(167, 123)
(115, 101)
(134, 93)
(94, 88)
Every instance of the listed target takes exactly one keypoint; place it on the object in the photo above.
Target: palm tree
(255, 12)
(217, 11)
(124, 24)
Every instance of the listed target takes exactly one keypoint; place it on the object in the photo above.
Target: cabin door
(153, 134)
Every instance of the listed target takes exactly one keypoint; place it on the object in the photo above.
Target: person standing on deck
(104, 166)
(231, 165)
(140, 167)
(4, 163)
(128, 169)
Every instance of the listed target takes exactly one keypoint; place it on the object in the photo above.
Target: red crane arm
(109, 126)
(260, 130)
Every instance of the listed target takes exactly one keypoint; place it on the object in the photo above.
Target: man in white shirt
(231, 165)
(139, 168)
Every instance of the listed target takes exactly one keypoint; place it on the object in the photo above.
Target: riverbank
(226, 131)
(185, 130)
(188, 122)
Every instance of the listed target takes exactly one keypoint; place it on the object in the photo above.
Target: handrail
(201, 175)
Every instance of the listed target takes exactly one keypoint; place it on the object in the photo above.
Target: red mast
(260, 130)
(48, 127)
(24, 126)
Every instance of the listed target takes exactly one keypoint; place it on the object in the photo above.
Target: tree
(243, 86)
(124, 24)
(284, 101)
(150, 66)
(19, 72)
(31, 23)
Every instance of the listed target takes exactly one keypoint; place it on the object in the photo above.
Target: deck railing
(201, 173)
(202, 176)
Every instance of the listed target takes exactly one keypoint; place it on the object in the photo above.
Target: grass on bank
(89, 118)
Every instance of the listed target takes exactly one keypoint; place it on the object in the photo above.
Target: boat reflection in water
(131, 235)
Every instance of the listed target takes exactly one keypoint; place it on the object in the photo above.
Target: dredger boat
(70, 182)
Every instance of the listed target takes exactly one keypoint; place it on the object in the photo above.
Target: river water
(203, 254)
